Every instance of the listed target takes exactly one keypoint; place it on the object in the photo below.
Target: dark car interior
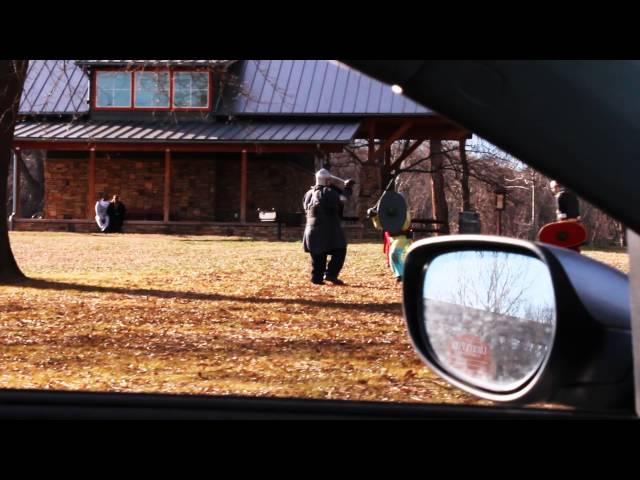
(585, 114)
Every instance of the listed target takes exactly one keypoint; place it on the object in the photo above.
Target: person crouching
(102, 216)
(116, 212)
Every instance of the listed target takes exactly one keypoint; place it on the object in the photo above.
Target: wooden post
(167, 185)
(243, 187)
(91, 180)
(17, 174)
(386, 169)
(387, 157)
(439, 207)
(372, 147)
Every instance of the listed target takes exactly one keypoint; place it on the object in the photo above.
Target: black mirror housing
(589, 363)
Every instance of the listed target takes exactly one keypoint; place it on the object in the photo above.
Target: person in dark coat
(116, 214)
(323, 233)
(568, 207)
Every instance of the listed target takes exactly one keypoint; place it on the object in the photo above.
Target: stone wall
(203, 187)
(138, 181)
(227, 188)
(276, 182)
(65, 192)
(193, 183)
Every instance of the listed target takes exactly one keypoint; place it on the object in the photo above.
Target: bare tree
(496, 284)
(464, 178)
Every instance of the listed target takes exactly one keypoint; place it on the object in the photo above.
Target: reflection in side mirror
(520, 322)
(490, 316)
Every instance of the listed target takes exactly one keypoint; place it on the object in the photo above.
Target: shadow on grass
(389, 307)
(221, 239)
(270, 240)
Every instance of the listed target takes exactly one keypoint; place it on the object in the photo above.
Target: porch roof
(326, 132)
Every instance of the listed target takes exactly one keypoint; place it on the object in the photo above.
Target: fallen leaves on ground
(207, 315)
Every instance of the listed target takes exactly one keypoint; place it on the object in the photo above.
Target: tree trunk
(464, 182)
(386, 171)
(439, 207)
(12, 75)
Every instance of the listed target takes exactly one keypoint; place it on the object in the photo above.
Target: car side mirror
(520, 322)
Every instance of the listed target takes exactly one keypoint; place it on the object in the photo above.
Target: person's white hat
(324, 177)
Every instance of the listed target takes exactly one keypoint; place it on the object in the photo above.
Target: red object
(569, 234)
(471, 354)
(387, 246)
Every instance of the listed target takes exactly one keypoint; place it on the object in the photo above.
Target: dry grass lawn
(209, 315)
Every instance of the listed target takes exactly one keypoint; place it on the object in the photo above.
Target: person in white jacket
(102, 218)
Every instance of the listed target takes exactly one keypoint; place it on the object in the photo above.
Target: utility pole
(533, 205)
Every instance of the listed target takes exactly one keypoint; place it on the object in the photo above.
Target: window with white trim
(113, 89)
(190, 89)
(152, 89)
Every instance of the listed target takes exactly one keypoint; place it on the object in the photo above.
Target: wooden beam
(243, 187)
(404, 128)
(167, 185)
(395, 165)
(426, 132)
(372, 138)
(386, 170)
(18, 174)
(91, 184)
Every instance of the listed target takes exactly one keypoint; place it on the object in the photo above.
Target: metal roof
(314, 87)
(133, 131)
(55, 87)
(268, 87)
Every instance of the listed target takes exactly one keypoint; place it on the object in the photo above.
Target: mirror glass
(489, 316)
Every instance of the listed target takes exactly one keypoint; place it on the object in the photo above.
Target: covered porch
(180, 179)
(209, 178)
